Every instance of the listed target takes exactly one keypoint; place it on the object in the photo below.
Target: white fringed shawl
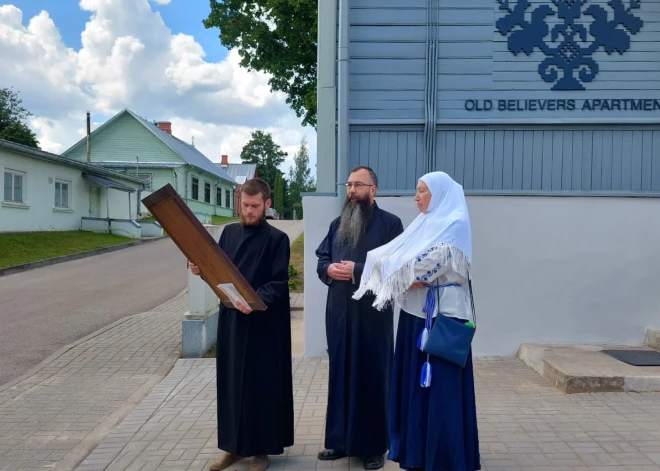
(444, 229)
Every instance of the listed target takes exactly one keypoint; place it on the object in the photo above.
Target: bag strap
(474, 313)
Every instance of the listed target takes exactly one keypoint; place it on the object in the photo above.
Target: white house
(47, 192)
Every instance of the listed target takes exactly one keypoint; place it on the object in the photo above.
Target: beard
(246, 222)
(355, 218)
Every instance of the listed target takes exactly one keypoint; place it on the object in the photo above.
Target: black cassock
(360, 346)
(254, 373)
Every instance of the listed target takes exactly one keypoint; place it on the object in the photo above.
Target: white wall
(545, 269)
(39, 213)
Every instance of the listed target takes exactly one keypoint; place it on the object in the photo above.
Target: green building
(129, 144)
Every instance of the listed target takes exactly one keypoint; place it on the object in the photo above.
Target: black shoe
(374, 462)
(329, 454)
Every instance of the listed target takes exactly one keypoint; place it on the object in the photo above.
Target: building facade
(130, 144)
(47, 192)
(548, 114)
(240, 173)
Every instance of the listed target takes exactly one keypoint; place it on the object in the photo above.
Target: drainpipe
(89, 138)
(107, 208)
(342, 105)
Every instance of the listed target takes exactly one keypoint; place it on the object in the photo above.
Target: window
(195, 188)
(218, 196)
(61, 194)
(227, 199)
(14, 187)
(207, 192)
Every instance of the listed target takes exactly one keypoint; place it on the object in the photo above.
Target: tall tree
(288, 209)
(278, 194)
(300, 174)
(262, 150)
(277, 37)
(12, 120)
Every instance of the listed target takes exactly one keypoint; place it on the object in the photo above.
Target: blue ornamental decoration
(569, 48)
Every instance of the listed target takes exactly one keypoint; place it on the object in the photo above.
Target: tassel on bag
(427, 371)
(425, 380)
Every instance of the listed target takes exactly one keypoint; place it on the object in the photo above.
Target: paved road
(43, 310)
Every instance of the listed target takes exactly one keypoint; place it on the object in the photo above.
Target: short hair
(372, 174)
(255, 186)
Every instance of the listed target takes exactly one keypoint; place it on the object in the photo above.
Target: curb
(75, 256)
(55, 355)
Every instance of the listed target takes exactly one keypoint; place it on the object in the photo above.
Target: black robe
(360, 346)
(254, 372)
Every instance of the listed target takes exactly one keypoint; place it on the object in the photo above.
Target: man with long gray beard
(360, 338)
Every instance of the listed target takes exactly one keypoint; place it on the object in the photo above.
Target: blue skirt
(435, 428)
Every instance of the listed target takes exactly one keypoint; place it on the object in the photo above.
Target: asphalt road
(45, 309)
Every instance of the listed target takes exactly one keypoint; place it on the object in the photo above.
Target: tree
(288, 210)
(262, 150)
(12, 120)
(278, 194)
(300, 176)
(277, 37)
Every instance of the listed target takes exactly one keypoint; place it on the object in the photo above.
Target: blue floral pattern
(434, 270)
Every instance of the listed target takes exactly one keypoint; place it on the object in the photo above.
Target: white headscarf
(389, 270)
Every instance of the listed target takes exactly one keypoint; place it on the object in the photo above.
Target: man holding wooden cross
(253, 359)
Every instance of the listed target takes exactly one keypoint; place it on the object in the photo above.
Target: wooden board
(198, 246)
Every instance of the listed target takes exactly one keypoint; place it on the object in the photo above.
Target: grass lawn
(297, 265)
(217, 220)
(26, 247)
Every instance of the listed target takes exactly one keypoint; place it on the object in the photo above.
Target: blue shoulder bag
(445, 338)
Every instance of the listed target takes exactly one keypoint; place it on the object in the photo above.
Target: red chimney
(225, 161)
(165, 126)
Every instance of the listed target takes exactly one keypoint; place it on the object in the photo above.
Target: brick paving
(56, 414)
(524, 424)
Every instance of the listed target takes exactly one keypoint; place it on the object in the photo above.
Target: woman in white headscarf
(433, 424)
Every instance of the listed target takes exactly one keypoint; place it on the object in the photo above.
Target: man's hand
(350, 266)
(194, 268)
(243, 308)
(339, 272)
(417, 284)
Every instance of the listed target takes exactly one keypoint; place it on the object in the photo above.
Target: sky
(154, 57)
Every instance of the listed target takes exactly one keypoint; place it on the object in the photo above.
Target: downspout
(107, 208)
(432, 43)
(89, 138)
(342, 104)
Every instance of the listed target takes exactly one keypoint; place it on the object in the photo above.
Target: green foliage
(298, 208)
(292, 271)
(262, 150)
(278, 194)
(12, 120)
(300, 176)
(277, 37)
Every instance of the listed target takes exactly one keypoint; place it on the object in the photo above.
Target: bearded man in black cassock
(360, 338)
(253, 360)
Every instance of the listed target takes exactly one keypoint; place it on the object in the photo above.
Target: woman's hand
(417, 284)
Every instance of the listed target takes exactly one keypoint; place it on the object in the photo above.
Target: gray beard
(355, 218)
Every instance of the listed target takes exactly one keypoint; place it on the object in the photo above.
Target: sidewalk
(54, 416)
(524, 425)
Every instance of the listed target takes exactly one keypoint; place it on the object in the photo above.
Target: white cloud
(130, 59)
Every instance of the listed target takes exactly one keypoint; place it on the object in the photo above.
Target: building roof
(241, 172)
(185, 151)
(47, 156)
(106, 182)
